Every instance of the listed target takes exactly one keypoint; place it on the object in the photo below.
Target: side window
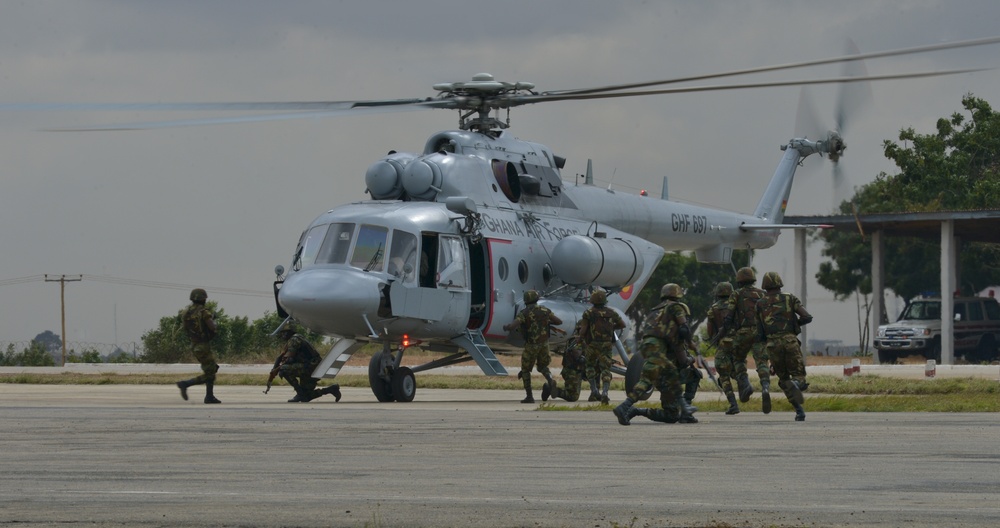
(369, 250)
(451, 263)
(336, 245)
(960, 312)
(403, 256)
(975, 311)
(993, 310)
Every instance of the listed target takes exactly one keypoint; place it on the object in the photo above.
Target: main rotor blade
(530, 99)
(148, 125)
(262, 106)
(788, 66)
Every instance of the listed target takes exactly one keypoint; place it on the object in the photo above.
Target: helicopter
(453, 236)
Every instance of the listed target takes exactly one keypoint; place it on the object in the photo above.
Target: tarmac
(139, 455)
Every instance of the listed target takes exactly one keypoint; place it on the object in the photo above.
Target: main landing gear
(390, 381)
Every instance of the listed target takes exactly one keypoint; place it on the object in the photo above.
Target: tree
(955, 168)
(237, 338)
(697, 279)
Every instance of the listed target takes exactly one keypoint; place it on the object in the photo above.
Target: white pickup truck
(918, 330)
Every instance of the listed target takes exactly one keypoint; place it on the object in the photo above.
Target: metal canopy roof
(971, 226)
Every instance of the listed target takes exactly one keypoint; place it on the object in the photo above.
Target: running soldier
(199, 325)
(598, 326)
(723, 343)
(780, 316)
(743, 319)
(534, 322)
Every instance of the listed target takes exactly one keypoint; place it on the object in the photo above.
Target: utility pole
(62, 280)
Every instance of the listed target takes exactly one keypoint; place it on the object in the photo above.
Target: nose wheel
(388, 381)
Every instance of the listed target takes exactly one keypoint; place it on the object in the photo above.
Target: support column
(948, 287)
(878, 287)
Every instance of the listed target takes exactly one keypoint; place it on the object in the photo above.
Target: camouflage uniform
(199, 325)
(598, 325)
(665, 336)
(741, 306)
(715, 323)
(780, 317)
(573, 367)
(295, 365)
(534, 321)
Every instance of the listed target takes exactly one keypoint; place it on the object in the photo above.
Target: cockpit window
(311, 242)
(336, 245)
(369, 251)
(403, 256)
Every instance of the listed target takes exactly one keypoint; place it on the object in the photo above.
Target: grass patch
(865, 393)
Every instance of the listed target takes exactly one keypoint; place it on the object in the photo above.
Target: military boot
(662, 415)
(687, 411)
(556, 392)
(594, 395)
(183, 386)
(604, 393)
(734, 408)
(209, 395)
(548, 388)
(529, 398)
(297, 398)
(745, 388)
(636, 411)
(800, 413)
(334, 390)
(765, 395)
(793, 392)
(622, 411)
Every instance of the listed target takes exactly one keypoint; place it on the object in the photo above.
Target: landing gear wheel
(380, 387)
(633, 373)
(404, 384)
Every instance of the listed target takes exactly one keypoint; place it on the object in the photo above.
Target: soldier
(574, 366)
(780, 317)
(296, 363)
(723, 343)
(534, 322)
(598, 326)
(199, 324)
(743, 319)
(665, 333)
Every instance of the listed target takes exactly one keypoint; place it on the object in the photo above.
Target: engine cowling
(384, 178)
(609, 263)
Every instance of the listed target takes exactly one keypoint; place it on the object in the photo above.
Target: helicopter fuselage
(456, 235)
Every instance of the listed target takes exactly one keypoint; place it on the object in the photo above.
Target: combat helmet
(198, 295)
(771, 281)
(671, 290)
(723, 289)
(530, 297)
(745, 274)
(288, 331)
(598, 298)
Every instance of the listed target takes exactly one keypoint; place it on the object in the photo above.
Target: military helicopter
(453, 236)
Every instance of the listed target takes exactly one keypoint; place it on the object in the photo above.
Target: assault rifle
(704, 363)
(274, 371)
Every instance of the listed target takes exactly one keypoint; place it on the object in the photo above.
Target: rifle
(704, 364)
(274, 371)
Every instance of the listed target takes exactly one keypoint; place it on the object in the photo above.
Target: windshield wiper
(376, 258)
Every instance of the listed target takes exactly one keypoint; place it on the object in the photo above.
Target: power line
(143, 283)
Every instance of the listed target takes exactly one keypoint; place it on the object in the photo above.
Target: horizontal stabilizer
(752, 227)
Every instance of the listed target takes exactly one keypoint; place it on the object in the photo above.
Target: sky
(144, 215)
